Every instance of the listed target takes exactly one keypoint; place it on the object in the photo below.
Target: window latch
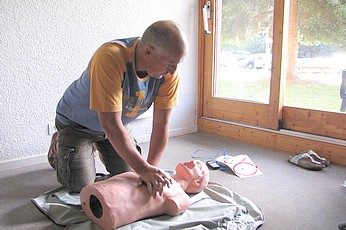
(206, 16)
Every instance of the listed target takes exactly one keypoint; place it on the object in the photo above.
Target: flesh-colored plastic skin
(124, 202)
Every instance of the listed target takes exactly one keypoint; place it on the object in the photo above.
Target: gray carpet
(290, 197)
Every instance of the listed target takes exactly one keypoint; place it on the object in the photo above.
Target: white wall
(45, 45)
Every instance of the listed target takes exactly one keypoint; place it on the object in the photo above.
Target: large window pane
(320, 54)
(244, 50)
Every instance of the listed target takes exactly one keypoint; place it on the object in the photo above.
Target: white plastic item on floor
(241, 165)
(344, 184)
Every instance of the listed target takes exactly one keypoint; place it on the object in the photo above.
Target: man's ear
(149, 50)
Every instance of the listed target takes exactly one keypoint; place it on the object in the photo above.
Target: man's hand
(155, 180)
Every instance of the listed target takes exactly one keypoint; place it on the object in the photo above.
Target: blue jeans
(76, 164)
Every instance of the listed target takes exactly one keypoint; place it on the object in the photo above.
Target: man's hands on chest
(152, 176)
(155, 179)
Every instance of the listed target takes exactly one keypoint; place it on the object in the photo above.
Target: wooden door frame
(250, 113)
(211, 122)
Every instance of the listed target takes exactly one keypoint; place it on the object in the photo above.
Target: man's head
(162, 47)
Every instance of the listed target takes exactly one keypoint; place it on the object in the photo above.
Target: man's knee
(75, 169)
(75, 162)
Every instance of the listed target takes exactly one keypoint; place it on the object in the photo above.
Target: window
(274, 64)
(318, 54)
(244, 52)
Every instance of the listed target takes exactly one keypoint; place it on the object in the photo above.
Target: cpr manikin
(119, 200)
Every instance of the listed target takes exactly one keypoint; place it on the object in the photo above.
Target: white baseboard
(38, 159)
(21, 162)
(172, 133)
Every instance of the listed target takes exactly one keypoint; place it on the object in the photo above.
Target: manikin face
(159, 62)
(196, 173)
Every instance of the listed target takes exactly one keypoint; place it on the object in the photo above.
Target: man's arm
(122, 143)
(159, 135)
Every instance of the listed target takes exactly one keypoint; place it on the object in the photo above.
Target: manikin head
(195, 173)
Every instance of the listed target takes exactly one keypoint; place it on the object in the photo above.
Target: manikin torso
(119, 200)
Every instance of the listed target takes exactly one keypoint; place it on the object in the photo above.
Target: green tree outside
(321, 22)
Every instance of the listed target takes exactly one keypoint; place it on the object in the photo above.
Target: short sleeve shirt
(110, 84)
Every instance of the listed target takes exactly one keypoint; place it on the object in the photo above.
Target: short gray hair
(166, 35)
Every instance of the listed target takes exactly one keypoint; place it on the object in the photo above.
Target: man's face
(161, 63)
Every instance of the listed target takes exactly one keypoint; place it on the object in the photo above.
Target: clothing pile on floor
(215, 207)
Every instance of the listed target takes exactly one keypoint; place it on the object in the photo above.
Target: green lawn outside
(301, 94)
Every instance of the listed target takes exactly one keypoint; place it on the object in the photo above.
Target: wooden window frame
(261, 123)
